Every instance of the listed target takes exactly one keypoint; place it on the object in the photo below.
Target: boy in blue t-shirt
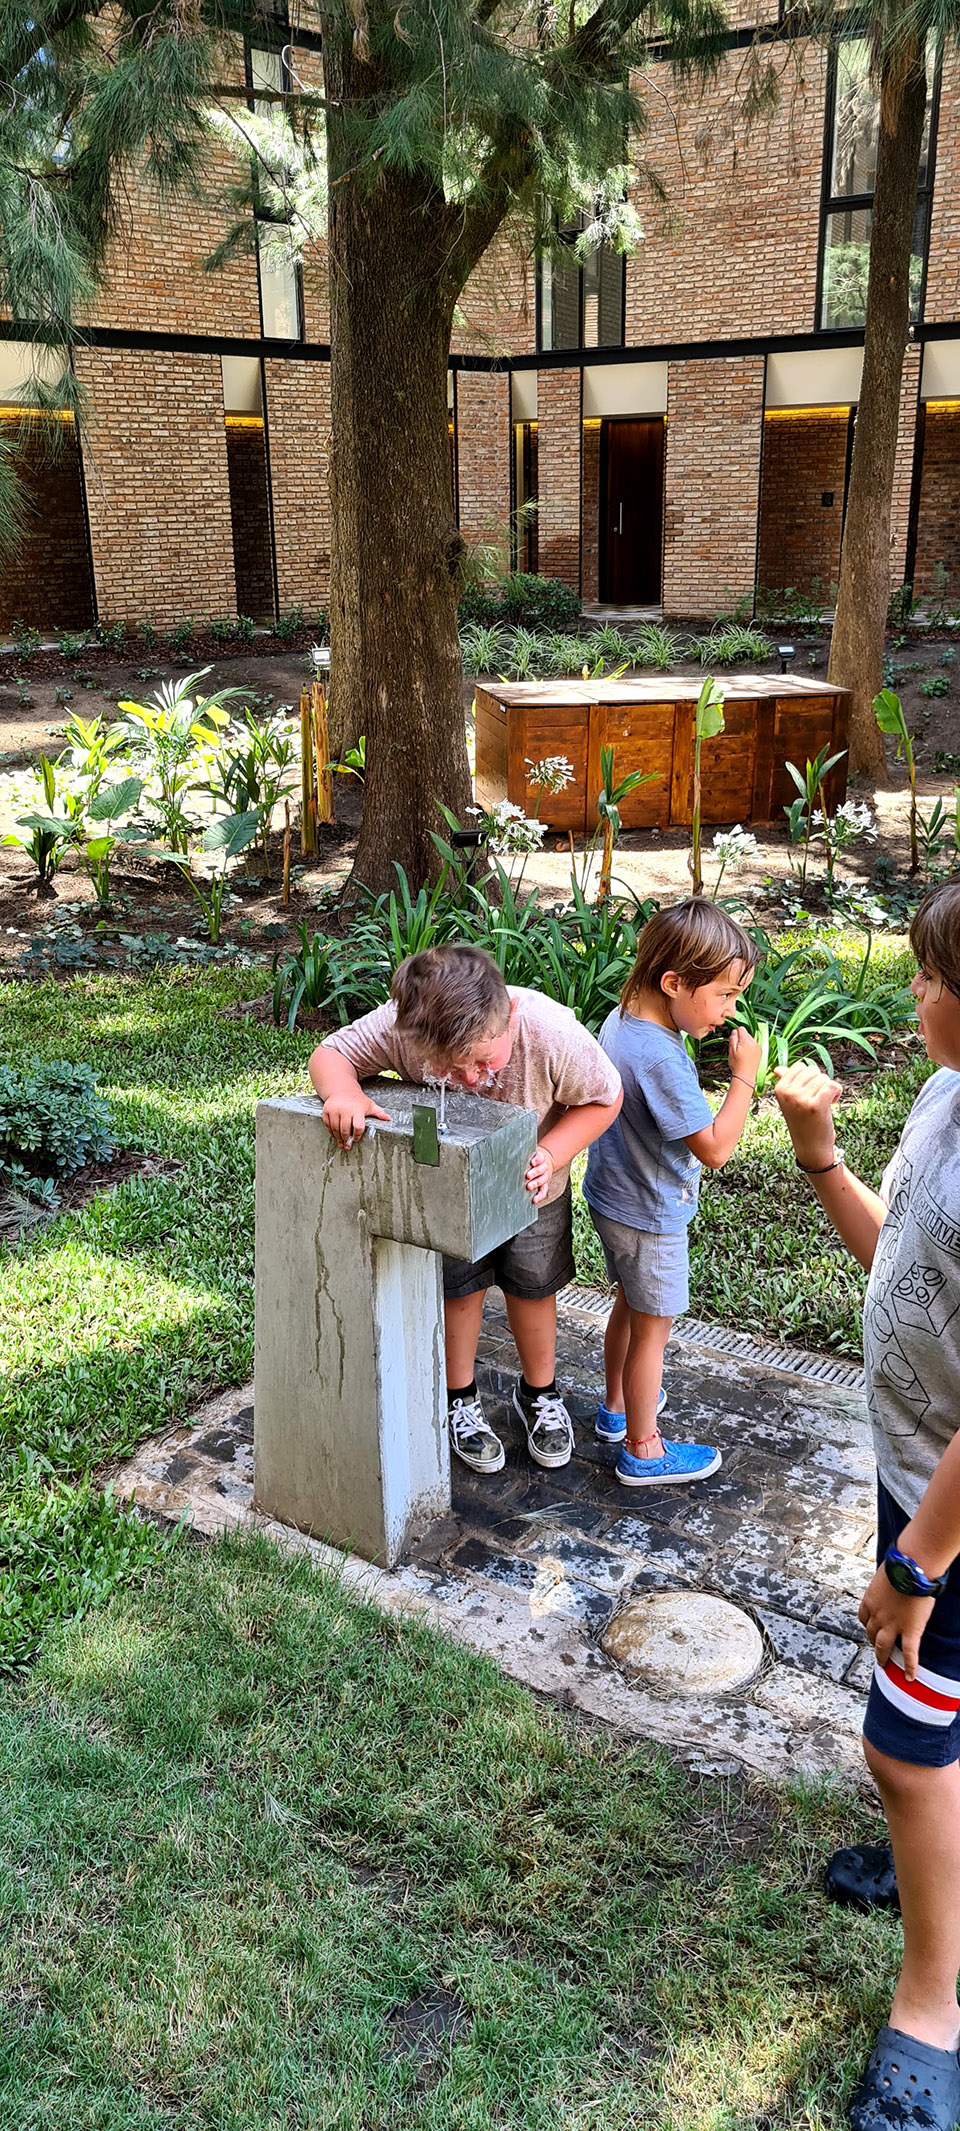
(643, 1176)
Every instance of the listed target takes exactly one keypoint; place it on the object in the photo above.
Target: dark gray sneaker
(472, 1439)
(548, 1425)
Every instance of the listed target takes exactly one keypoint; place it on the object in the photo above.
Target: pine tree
(439, 120)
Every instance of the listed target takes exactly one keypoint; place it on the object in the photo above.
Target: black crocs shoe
(863, 1877)
(908, 2085)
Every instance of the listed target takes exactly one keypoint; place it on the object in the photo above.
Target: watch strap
(909, 1578)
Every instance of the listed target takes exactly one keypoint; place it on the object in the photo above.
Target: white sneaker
(472, 1439)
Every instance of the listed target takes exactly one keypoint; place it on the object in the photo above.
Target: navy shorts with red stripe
(918, 1720)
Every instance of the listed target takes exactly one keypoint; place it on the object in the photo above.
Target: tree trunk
(856, 649)
(396, 668)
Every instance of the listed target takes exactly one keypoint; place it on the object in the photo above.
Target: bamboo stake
(286, 853)
(321, 742)
(308, 804)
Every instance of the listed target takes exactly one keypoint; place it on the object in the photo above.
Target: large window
(581, 304)
(281, 302)
(848, 193)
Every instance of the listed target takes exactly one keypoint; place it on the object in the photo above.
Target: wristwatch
(908, 1577)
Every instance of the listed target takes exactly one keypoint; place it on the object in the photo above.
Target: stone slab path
(534, 1568)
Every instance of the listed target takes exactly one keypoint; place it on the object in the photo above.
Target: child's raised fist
(744, 1055)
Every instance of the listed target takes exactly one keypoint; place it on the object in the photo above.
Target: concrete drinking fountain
(350, 1432)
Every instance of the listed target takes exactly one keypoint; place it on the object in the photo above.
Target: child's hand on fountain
(345, 1116)
(539, 1174)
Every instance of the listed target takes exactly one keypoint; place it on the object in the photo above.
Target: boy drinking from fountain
(642, 1180)
(450, 1016)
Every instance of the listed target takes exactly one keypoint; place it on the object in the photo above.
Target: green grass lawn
(117, 1319)
(245, 1820)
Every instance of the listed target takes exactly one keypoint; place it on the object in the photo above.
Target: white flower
(734, 847)
(553, 774)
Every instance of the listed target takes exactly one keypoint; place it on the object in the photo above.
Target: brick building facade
(685, 437)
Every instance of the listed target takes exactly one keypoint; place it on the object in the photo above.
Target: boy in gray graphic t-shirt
(908, 1236)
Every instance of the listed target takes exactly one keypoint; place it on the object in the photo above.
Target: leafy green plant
(210, 894)
(523, 658)
(810, 795)
(25, 639)
(727, 646)
(111, 636)
(289, 625)
(70, 645)
(259, 768)
(936, 684)
(91, 748)
(179, 636)
(177, 732)
(521, 596)
(707, 724)
(329, 977)
(888, 711)
(147, 633)
(481, 644)
(354, 763)
(610, 798)
(828, 1010)
(562, 655)
(609, 644)
(48, 836)
(52, 1119)
(108, 809)
(656, 647)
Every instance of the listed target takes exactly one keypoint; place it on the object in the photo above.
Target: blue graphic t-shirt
(640, 1172)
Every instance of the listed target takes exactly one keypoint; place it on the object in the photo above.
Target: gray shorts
(534, 1264)
(652, 1270)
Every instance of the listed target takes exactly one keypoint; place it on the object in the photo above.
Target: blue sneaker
(612, 1427)
(680, 1461)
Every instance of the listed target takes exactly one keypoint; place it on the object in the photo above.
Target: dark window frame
(841, 203)
(579, 348)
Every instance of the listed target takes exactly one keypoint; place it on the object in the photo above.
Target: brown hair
(695, 939)
(448, 998)
(935, 934)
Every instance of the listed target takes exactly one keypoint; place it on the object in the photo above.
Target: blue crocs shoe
(680, 1461)
(612, 1427)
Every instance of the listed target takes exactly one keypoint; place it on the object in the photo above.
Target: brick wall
(498, 304)
(735, 252)
(804, 460)
(943, 268)
(483, 435)
(591, 510)
(298, 438)
(158, 495)
(938, 531)
(47, 584)
(903, 472)
(559, 432)
(250, 517)
(714, 439)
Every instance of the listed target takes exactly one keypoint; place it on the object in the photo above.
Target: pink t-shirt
(555, 1065)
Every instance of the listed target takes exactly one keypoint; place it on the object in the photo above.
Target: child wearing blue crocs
(643, 1176)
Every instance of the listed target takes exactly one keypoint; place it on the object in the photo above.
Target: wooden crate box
(770, 720)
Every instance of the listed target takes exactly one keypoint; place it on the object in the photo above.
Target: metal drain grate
(796, 1361)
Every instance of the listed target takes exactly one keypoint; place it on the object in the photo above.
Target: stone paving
(730, 1606)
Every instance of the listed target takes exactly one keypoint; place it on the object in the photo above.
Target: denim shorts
(918, 1720)
(652, 1270)
(534, 1264)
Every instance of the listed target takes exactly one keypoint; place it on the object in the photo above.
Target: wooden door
(631, 512)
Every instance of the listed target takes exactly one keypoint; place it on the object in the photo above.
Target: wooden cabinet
(768, 722)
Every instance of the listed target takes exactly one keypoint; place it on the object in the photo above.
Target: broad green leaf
(116, 800)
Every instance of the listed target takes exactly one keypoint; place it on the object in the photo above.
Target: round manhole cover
(685, 1642)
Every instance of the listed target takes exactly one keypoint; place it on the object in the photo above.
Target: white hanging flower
(734, 847)
(553, 774)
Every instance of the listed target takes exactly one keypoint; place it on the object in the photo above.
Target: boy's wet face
(479, 1065)
(938, 1012)
(706, 1007)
